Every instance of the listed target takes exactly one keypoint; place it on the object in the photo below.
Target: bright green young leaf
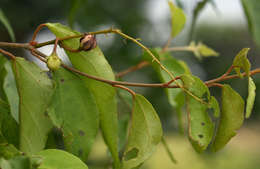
(7, 25)
(35, 91)
(241, 62)
(231, 118)
(8, 87)
(74, 111)
(251, 97)
(201, 50)
(178, 19)
(251, 8)
(145, 133)
(201, 128)
(94, 63)
(58, 159)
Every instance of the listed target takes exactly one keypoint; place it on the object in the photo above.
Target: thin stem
(7, 54)
(125, 88)
(37, 30)
(132, 68)
(167, 44)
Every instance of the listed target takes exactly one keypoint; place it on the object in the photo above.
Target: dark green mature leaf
(35, 91)
(252, 11)
(20, 162)
(58, 159)
(251, 97)
(7, 25)
(94, 63)
(7, 150)
(145, 133)
(178, 19)
(9, 87)
(241, 62)
(231, 119)
(201, 128)
(74, 110)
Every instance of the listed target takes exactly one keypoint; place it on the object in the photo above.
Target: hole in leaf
(133, 153)
(202, 123)
(200, 136)
(81, 133)
(61, 80)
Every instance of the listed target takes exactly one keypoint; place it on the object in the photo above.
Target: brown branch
(132, 68)
(7, 54)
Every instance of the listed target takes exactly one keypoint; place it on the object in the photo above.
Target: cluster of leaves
(33, 102)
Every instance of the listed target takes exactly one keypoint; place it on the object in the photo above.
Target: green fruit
(53, 62)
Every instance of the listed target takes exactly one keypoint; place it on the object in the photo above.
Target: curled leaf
(251, 97)
(241, 62)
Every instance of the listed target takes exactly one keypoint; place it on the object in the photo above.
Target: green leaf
(178, 19)
(145, 133)
(7, 150)
(241, 62)
(74, 111)
(251, 9)
(7, 25)
(201, 127)
(4, 164)
(201, 50)
(58, 159)
(20, 162)
(169, 152)
(231, 119)
(251, 97)
(35, 91)
(94, 63)
(215, 106)
(9, 87)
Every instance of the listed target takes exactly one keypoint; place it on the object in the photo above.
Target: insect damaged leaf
(75, 112)
(201, 127)
(145, 133)
(94, 63)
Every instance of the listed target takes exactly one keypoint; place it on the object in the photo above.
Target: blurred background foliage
(150, 21)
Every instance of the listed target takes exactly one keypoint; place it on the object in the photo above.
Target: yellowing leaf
(241, 62)
(145, 133)
(251, 97)
(35, 91)
(231, 119)
(178, 19)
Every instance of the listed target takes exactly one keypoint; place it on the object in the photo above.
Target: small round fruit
(53, 62)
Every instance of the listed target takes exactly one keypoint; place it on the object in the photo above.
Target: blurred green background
(222, 27)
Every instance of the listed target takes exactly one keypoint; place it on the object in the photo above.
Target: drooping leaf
(241, 62)
(58, 159)
(7, 25)
(145, 133)
(251, 97)
(231, 118)
(9, 87)
(200, 125)
(177, 68)
(35, 91)
(74, 111)
(94, 63)
(251, 9)
(178, 19)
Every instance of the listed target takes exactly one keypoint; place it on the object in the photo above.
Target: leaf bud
(53, 61)
(88, 42)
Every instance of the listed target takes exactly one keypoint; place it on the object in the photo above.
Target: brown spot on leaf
(61, 80)
(81, 133)
(202, 123)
